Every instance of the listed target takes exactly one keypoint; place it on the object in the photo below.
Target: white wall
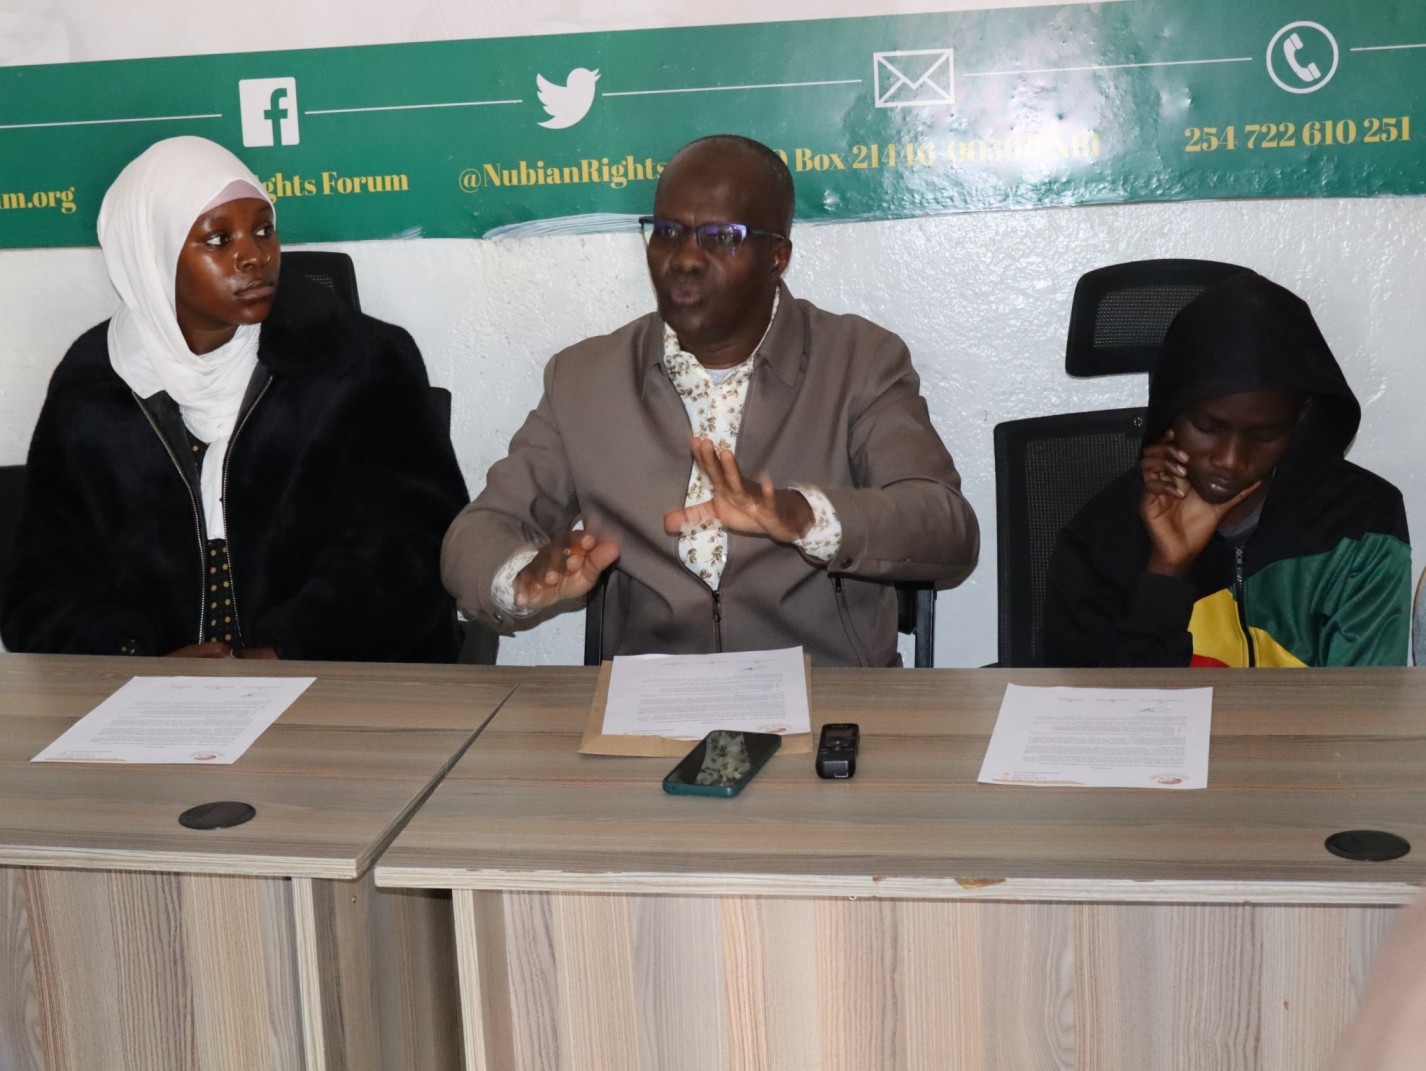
(983, 301)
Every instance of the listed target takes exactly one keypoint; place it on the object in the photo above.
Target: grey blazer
(833, 402)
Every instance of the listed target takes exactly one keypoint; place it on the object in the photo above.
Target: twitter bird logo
(569, 103)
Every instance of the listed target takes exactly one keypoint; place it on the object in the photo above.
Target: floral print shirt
(714, 401)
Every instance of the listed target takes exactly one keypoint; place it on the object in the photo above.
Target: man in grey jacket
(750, 470)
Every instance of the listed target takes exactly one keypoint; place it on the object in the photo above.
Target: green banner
(1142, 100)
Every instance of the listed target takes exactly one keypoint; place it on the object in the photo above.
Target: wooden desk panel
(1288, 767)
(130, 942)
(912, 918)
(332, 779)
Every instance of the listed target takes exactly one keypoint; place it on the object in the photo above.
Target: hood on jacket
(1244, 334)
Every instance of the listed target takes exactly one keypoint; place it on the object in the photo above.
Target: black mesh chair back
(12, 493)
(480, 644)
(915, 616)
(441, 407)
(333, 270)
(594, 623)
(337, 273)
(1046, 468)
(1121, 312)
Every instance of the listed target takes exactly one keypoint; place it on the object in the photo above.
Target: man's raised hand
(753, 508)
(567, 567)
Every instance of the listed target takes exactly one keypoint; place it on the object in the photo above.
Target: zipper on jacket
(192, 501)
(227, 459)
(1240, 598)
(717, 622)
(847, 627)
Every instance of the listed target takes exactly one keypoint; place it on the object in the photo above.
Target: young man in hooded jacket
(1243, 537)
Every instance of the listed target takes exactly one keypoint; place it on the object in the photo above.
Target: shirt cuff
(824, 538)
(502, 588)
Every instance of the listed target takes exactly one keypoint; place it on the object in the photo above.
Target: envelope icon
(919, 78)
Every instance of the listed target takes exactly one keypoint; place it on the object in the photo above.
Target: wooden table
(912, 918)
(130, 942)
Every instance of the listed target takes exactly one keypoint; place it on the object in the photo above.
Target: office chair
(335, 271)
(327, 268)
(594, 622)
(479, 643)
(1046, 469)
(915, 616)
(441, 406)
(12, 494)
(1121, 312)
(1418, 622)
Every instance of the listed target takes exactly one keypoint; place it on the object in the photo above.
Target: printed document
(210, 720)
(1101, 737)
(688, 696)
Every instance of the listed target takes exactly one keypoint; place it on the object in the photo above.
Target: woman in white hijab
(194, 449)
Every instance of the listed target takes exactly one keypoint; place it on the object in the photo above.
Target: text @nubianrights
(872, 156)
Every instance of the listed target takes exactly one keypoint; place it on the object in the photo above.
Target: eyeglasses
(719, 238)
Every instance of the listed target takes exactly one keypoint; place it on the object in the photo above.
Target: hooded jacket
(1323, 579)
(340, 483)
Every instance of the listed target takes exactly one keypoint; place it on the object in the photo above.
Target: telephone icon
(1290, 48)
(1288, 65)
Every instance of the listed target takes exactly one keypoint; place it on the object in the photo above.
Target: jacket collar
(783, 348)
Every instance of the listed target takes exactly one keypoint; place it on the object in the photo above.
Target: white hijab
(143, 222)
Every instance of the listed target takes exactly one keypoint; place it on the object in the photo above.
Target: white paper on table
(688, 696)
(210, 720)
(1101, 737)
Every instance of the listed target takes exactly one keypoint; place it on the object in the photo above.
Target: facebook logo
(269, 111)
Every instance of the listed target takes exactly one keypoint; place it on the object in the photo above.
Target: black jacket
(341, 482)
(1324, 579)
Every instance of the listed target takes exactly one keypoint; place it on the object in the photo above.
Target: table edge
(1116, 890)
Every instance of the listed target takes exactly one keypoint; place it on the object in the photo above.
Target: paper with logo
(656, 704)
(176, 720)
(1101, 737)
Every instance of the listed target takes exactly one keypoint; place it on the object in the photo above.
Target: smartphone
(721, 763)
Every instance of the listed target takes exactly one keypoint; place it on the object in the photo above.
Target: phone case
(767, 747)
